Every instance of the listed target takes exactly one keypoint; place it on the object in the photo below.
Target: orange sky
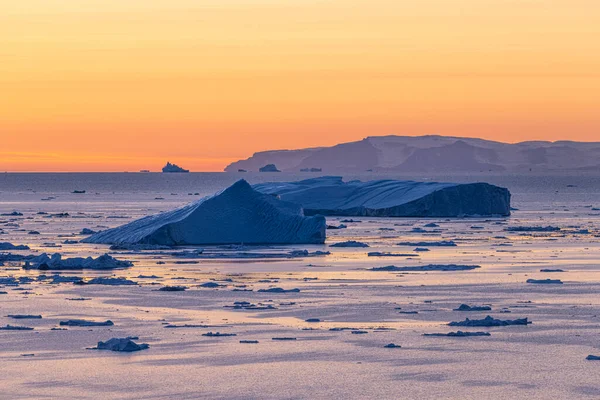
(114, 85)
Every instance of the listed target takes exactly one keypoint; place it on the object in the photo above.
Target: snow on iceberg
(238, 214)
(330, 195)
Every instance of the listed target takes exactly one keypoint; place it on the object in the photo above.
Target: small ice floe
(551, 270)
(430, 267)
(85, 322)
(334, 227)
(15, 328)
(349, 243)
(279, 290)
(12, 214)
(466, 307)
(78, 299)
(442, 243)
(312, 320)
(532, 229)
(172, 289)
(87, 231)
(431, 225)
(110, 281)
(545, 281)
(56, 262)
(358, 332)
(283, 338)
(24, 316)
(592, 358)
(78, 191)
(245, 305)
(489, 321)
(350, 221)
(249, 341)
(385, 254)
(121, 344)
(33, 233)
(10, 246)
(9, 280)
(392, 346)
(458, 334)
(211, 285)
(68, 241)
(56, 279)
(218, 334)
(421, 249)
(175, 326)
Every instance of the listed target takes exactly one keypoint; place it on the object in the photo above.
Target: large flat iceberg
(330, 195)
(238, 214)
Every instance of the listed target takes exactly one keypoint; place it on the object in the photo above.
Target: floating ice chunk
(551, 270)
(172, 289)
(466, 307)
(121, 344)
(430, 267)
(56, 262)
(218, 334)
(10, 246)
(330, 195)
(238, 214)
(443, 243)
(85, 322)
(392, 346)
(458, 334)
(349, 243)
(279, 290)
(384, 254)
(111, 281)
(24, 316)
(15, 328)
(592, 358)
(489, 321)
(532, 229)
(545, 281)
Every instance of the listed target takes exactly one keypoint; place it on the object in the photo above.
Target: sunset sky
(114, 85)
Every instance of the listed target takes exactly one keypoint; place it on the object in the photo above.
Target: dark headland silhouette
(430, 153)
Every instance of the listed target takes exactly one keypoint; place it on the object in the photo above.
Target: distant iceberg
(269, 168)
(173, 168)
(330, 195)
(238, 214)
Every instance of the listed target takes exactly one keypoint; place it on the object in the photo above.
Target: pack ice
(330, 195)
(238, 214)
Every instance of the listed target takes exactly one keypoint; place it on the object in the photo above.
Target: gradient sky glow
(114, 85)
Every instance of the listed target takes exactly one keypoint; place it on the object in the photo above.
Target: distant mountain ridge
(431, 153)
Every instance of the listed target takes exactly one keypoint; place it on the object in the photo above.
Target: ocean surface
(359, 310)
(533, 190)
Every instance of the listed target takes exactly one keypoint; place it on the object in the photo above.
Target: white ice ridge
(238, 214)
(330, 195)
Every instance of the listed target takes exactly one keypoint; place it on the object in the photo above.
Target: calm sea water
(530, 191)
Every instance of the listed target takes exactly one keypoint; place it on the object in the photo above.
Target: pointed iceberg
(238, 214)
(330, 195)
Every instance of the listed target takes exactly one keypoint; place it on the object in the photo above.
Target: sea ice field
(387, 308)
